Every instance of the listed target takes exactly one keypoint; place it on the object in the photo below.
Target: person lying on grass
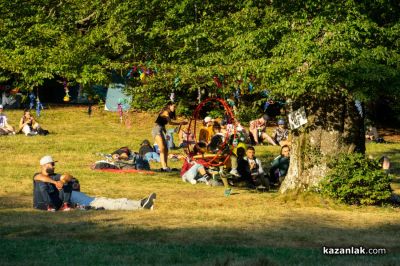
(83, 201)
(123, 159)
(146, 151)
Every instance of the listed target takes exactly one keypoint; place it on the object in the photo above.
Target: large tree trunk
(334, 126)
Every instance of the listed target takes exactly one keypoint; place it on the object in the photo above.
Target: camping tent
(115, 95)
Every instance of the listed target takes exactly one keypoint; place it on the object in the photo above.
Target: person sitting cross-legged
(49, 193)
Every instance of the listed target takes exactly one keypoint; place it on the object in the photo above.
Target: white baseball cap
(46, 159)
(207, 119)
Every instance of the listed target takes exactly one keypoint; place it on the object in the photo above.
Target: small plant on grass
(354, 179)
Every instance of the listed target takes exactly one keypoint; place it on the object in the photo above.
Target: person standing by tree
(166, 115)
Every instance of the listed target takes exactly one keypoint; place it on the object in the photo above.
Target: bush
(354, 179)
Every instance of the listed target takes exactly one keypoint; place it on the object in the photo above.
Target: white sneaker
(235, 172)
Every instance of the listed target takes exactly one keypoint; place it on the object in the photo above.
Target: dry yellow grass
(184, 214)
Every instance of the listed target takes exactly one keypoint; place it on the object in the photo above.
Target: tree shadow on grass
(111, 237)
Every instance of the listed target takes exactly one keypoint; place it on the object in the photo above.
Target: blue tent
(116, 95)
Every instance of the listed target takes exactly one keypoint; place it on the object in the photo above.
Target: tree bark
(334, 126)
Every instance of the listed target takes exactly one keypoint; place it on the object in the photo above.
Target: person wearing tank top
(166, 116)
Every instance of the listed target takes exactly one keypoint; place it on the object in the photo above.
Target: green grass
(194, 225)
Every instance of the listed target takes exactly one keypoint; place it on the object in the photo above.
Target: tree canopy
(293, 49)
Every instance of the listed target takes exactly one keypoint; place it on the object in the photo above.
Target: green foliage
(246, 113)
(151, 101)
(355, 179)
(184, 109)
(216, 113)
(291, 48)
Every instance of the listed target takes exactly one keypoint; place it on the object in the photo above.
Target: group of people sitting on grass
(243, 168)
(27, 125)
(62, 192)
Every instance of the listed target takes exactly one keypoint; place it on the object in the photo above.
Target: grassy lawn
(189, 225)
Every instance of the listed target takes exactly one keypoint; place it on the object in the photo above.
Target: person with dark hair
(251, 170)
(29, 126)
(280, 166)
(193, 171)
(258, 131)
(281, 134)
(166, 115)
(146, 151)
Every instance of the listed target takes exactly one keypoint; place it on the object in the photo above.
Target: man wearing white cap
(5, 128)
(56, 192)
(206, 132)
(49, 193)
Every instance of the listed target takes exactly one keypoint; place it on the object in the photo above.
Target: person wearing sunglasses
(49, 192)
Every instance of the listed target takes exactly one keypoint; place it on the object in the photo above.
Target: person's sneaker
(83, 207)
(193, 182)
(235, 172)
(165, 169)
(50, 208)
(147, 203)
(261, 188)
(227, 192)
(65, 207)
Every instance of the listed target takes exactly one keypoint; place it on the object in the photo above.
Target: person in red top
(258, 130)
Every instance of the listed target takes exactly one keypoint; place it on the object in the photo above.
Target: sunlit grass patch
(191, 224)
